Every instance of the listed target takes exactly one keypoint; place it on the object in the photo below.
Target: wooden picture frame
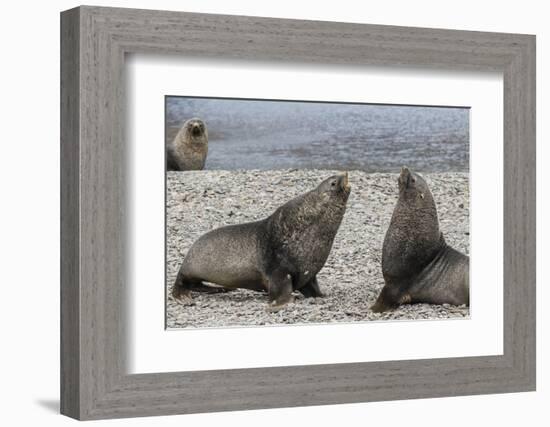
(94, 41)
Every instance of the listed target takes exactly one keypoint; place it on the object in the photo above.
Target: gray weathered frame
(94, 42)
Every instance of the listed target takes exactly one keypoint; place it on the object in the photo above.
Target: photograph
(283, 212)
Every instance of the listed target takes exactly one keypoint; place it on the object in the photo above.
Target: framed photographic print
(292, 213)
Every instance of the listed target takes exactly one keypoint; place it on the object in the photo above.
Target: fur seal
(189, 149)
(417, 265)
(279, 254)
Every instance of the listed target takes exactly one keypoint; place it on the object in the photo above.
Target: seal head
(189, 149)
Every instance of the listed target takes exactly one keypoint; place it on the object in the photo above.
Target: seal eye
(333, 184)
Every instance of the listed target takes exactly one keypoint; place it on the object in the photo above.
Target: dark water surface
(250, 134)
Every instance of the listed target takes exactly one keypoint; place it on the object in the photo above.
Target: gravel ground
(351, 278)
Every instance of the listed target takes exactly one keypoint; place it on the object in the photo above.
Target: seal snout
(406, 177)
(196, 129)
(343, 181)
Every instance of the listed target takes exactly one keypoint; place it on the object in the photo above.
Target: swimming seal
(189, 149)
(417, 265)
(279, 254)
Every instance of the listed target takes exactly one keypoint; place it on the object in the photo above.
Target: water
(247, 134)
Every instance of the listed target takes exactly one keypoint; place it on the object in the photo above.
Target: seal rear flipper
(208, 289)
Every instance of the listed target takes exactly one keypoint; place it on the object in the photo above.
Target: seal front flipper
(390, 298)
(311, 289)
(279, 288)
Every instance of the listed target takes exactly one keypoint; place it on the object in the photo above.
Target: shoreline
(199, 201)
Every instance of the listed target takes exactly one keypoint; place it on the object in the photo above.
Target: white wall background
(29, 212)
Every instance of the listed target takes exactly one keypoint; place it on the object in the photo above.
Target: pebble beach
(199, 201)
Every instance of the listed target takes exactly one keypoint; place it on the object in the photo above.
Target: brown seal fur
(417, 265)
(189, 149)
(279, 254)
